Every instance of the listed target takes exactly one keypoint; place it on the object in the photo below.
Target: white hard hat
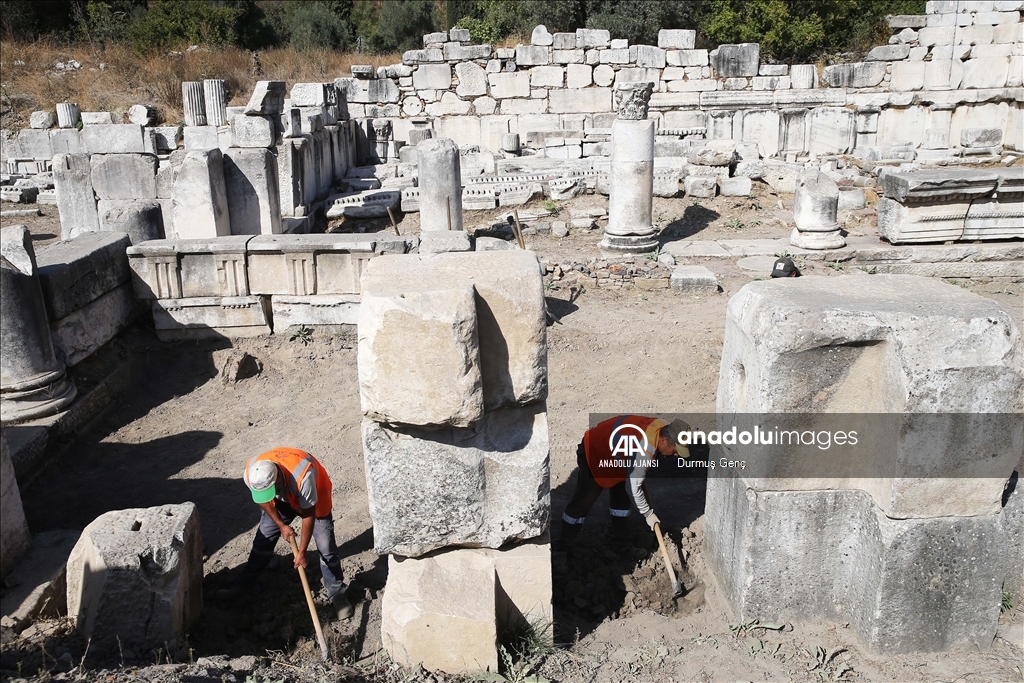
(262, 475)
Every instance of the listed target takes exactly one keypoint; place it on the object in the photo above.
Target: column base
(636, 244)
(817, 240)
(18, 406)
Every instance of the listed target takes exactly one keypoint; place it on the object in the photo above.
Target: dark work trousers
(323, 535)
(588, 491)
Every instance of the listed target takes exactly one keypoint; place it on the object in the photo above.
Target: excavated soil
(182, 434)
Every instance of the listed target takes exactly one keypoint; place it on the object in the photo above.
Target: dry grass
(113, 78)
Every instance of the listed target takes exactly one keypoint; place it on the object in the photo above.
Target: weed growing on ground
(735, 224)
(1007, 603)
(303, 334)
(550, 205)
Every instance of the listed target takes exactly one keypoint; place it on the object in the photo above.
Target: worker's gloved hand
(651, 519)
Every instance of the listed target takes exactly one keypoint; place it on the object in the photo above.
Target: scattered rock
(240, 365)
(244, 665)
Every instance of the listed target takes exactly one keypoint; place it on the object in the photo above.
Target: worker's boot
(621, 539)
(343, 606)
(566, 536)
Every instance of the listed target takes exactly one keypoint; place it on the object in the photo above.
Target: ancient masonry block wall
(456, 448)
(249, 285)
(913, 549)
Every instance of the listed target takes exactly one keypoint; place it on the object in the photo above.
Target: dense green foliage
(788, 30)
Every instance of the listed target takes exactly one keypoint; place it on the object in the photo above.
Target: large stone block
(730, 61)
(474, 592)
(432, 77)
(14, 534)
(118, 138)
(302, 265)
(200, 196)
(854, 75)
(330, 310)
(76, 199)
(903, 585)
(137, 575)
(124, 176)
(894, 345)
(510, 312)
(253, 195)
(435, 382)
(999, 216)
(830, 130)
(479, 487)
(141, 219)
(211, 317)
(80, 270)
(86, 329)
(585, 101)
(505, 85)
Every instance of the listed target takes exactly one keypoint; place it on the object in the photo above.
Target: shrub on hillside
(169, 23)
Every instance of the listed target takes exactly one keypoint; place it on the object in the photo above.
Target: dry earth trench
(182, 434)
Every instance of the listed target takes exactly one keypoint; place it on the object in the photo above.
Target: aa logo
(628, 441)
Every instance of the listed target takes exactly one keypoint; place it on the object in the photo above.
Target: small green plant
(835, 265)
(523, 645)
(303, 334)
(653, 255)
(550, 205)
(735, 224)
(1007, 603)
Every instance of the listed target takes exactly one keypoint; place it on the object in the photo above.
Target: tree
(169, 23)
(402, 24)
(318, 24)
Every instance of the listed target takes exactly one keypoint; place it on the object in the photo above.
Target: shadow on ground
(695, 218)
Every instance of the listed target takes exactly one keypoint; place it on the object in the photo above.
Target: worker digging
(287, 483)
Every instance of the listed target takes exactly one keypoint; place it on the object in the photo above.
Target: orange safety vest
(296, 465)
(598, 449)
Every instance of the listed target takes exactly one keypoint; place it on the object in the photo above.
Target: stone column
(815, 205)
(32, 380)
(382, 135)
(631, 197)
(192, 103)
(68, 114)
(440, 183)
(216, 102)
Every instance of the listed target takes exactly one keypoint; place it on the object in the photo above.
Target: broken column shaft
(630, 201)
(440, 185)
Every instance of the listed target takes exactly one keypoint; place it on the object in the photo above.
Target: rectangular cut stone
(771, 82)
(267, 99)
(74, 272)
(432, 77)
(211, 317)
(567, 56)
(854, 75)
(76, 199)
(66, 141)
(201, 137)
(457, 52)
(299, 265)
(121, 138)
(331, 310)
(986, 73)
(251, 186)
(650, 56)
(804, 76)
(200, 197)
(830, 130)
(137, 575)
(30, 144)
(124, 176)
(907, 76)
(587, 100)
(694, 279)
(687, 58)
(252, 131)
(563, 41)
(532, 55)
(741, 60)
(504, 85)
(592, 37)
(938, 185)
(15, 538)
(80, 334)
(547, 77)
(736, 100)
(676, 38)
(480, 487)
(422, 56)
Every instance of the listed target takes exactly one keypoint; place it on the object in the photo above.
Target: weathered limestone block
(267, 99)
(118, 138)
(43, 119)
(323, 309)
(193, 104)
(124, 176)
(14, 535)
(252, 131)
(76, 199)
(898, 345)
(440, 384)
(140, 219)
(741, 60)
(815, 206)
(211, 317)
(1000, 216)
(200, 196)
(253, 196)
(85, 330)
(439, 611)
(510, 312)
(444, 241)
(68, 114)
(930, 206)
(935, 360)
(504, 85)
(480, 487)
(303, 265)
(830, 130)
(715, 153)
(32, 381)
(432, 594)
(854, 75)
(472, 80)
(631, 197)
(678, 39)
(74, 272)
(690, 279)
(137, 575)
(215, 102)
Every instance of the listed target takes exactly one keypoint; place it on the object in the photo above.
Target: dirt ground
(183, 435)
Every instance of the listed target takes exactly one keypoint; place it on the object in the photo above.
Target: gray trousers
(323, 535)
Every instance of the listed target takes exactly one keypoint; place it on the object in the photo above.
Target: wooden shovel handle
(664, 553)
(309, 602)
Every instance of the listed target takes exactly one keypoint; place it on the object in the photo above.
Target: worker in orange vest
(287, 483)
(616, 454)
